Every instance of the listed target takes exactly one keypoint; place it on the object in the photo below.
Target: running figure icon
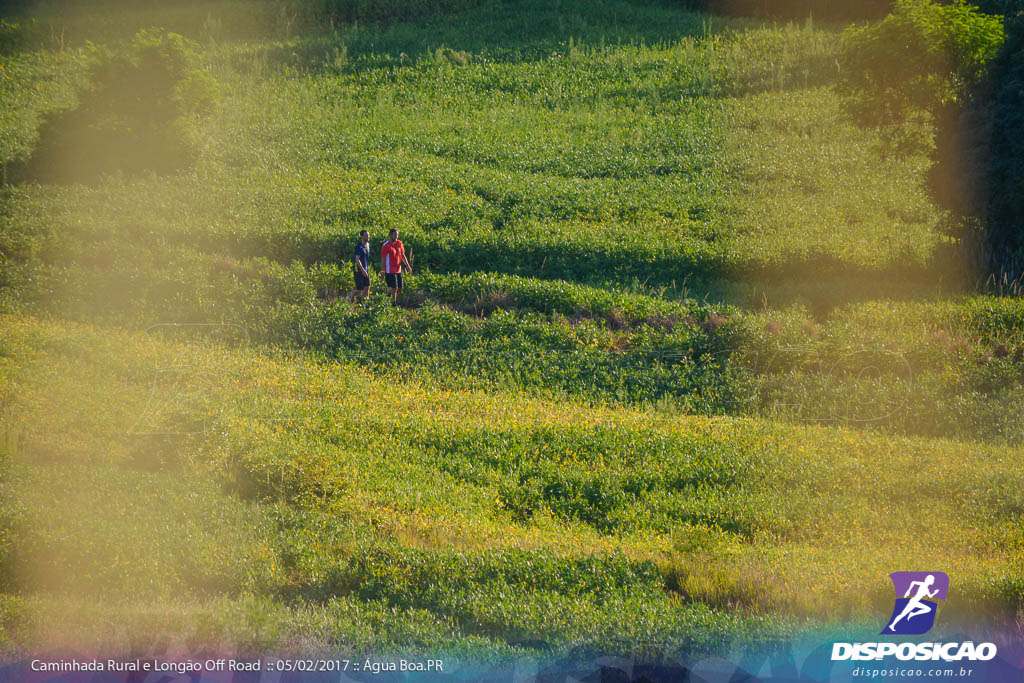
(917, 598)
(917, 606)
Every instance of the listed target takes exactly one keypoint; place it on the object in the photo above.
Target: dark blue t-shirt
(363, 254)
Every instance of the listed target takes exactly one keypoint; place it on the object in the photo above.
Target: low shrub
(137, 114)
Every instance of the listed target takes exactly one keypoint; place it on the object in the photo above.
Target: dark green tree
(952, 74)
(920, 60)
(979, 169)
(1005, 210)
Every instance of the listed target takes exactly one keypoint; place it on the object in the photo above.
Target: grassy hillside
(682, 343)
(289, 492)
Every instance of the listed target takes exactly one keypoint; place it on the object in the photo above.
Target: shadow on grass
(698, 270)
(821, 282)
(496, 31)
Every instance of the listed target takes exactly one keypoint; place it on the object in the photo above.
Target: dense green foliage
(136, 113)
(674, 324)
(31, 85)
(1005, 210)
(932, 59)
(921, 57)
(979, 169)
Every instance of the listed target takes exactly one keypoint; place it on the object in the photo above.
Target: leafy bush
(920, 58)
(136, 115)
(31, 85)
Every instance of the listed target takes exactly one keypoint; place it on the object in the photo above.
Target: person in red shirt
(392, 258)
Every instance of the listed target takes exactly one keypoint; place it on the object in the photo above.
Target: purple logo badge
(917, 596)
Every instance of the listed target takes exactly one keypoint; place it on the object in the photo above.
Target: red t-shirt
(391, 256)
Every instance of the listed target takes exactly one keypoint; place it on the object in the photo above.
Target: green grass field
(682, 343)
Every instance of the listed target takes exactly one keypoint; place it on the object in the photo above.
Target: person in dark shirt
(361, 268)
